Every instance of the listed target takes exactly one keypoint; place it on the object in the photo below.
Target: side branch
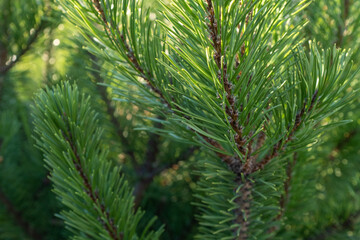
(281, 144)
(231, 110)
(6, 66)
(93, 194)
(135, 63)
(130, 55)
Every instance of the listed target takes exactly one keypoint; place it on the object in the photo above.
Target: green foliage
(102, 207)
(236, 78)
(216, 103)
(332, 166)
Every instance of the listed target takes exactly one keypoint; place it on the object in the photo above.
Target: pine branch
(93, 194)
(6, 66)
(281, 145)
(147, 76)
(97, 197)
(130, 54)
(18, 218)
(262, 75)
(146, 171)
(244, 201)
(231, 111)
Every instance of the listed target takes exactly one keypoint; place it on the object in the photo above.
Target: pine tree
(235, 78)
(179, 110)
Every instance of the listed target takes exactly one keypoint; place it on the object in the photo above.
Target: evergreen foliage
(201, 110)
(332, 166)
(99, 200)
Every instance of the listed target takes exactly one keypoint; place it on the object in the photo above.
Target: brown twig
(109, 225)
(243, 213)
(130, 55)
(230, 109)
(244, 200)
(250, 160)
(281, 144)
(260, 141)
(261, 136)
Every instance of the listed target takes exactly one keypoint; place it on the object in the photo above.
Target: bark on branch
(109, 225)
